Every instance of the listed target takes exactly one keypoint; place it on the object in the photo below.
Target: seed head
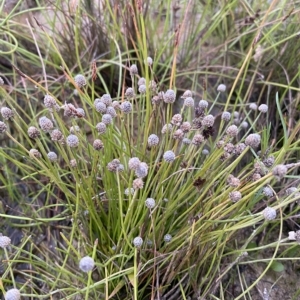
(138, 183)
(73, 163)
(267, 192)
(80, 113)
(149, 61)
(142, 170)
(279, 171)
(33, 132)
(13, 294)
(3, 127)
(142, 81)
(98, 144)
(169, 96)
(129, 191)
(208, 121)
(166, 128)
(35, 153)
(253, 140)
(152, 86)
(226, 116)
(133, 163)
(86, 264)
(6, 113)
(52, 156)
(49, 101)
(56, 135)
(186, 141)
(203, 104)
(150, 203)
(45, 124)
(126, 107)
(167, 238)
(142, 89)
(263, 108)
(133, 69)
(233, 181)
(253, 106)
(107, 119)
(189, 102)
(100, 107)
(101, 127)
(198, 139)
(256, 177)
(221, 88)
(178, 134)
(169, 156)
(74, 129)
(291, 190)
(153, 140)
(4, 241)
(137, 242)
(114, 165)
(232, 130)
(269, 213)
(186, 127)
(269, 161)
(235, 196)
(176, 120)
(106, 99)
(111, 111)
(239, 148)
(129, 93)
(115, 104)
(229, 148)
(80, 80)
(186, 94)
(72, 141)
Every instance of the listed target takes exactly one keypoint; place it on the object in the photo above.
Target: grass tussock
(148, 150)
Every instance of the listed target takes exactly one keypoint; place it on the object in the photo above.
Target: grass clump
(139, 177)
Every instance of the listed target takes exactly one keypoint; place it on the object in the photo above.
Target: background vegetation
(208, 235)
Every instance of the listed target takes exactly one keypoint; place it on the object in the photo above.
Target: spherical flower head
(142, 81)
(153, 140)
(267, 191)
(229, 148)
(166, 128)
(13, 294)
(101, 127)
(253, 140)
(169, 156)
(176, 119)
(52, 156)
(126, 107)
(133, 163)
(235, 196)
(115, 104)
(72, 140)
(178, 134)
(49, 101)
(269, 213)
(80, 113)
(4, 241)
(263, 108)
(152, 85)
(133, 69)
(186, 94)
(86, 264)
(189, 102)
(100, 107)
(80, 80)
(138, 183)
(269, 161)
(111, 111)
(221, 88)
(167, 238)
(232, 130)
(205, 152)
(239, 148)
(46, 124)
(3, 127)
(35, 153)
(186, 127)
(233, 181)
(98, 144)
(279, 171)
(150, 203)
(33, 132)
(256, 177)
(236, 114)
(226, 116)
(107, 119)
(186, 141)
(129, 93)
(208, 121)
(129, 191)
(291, 190)
(141, 171)
(106, 99)
(137, 242)
(244, 125)
(73, 163)
(149, 61)
(6, 113)
(56, 135)
(114, 165)
(169, 96)
(198, 139)
(142, 89)
(203, 104)
(74, 129)
(253, 106)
